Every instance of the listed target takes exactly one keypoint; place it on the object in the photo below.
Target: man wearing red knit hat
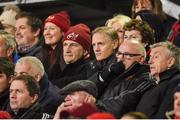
(76, 45)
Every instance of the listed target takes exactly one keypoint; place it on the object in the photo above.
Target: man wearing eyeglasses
(130, 52)
(124, 92)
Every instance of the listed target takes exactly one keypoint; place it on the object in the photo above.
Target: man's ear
(38, 77)
(90, 99)
(171, 62)
(34, 98)
(142, 59)
(10, 78)
(37, 32)
(85, 52)
(115, 44)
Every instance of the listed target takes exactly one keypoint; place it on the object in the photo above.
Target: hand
(59, 110)
(114, 69)
(65, 106)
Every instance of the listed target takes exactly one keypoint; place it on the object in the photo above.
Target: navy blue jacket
(49, 98)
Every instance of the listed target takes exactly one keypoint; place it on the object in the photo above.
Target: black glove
(112, 71)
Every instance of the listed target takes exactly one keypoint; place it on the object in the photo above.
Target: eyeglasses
(128, 55)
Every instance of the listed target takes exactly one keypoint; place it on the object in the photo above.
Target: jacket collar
(24, 111)
(135, 69)
(44, 85)
(166, 75)
(5, 93)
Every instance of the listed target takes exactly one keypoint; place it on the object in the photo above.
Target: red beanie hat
(5, 115)
(81, 34)
(101, 115)
(60, 19)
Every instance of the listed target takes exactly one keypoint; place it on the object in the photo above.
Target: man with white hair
(49, 97)
(8, 46)
(8, 18)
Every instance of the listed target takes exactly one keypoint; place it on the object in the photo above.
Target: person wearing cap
(80, 112)
(8, 18)
(28, 34)
(6, 71)
(55, 26)
(76, 94)
(76, 44)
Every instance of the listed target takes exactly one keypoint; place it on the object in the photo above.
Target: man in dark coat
(105, 42)
(6, 71)
(49, 98)
(24, 93)
(164, 62)
(76, 44)
(28, 33)
(124, 92)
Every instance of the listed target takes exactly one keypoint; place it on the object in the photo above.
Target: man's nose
(13, 94)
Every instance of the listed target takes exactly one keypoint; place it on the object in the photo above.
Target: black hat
(80, 85)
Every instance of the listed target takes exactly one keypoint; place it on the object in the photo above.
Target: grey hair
(35, 62)
(173, 51)
(9, 39)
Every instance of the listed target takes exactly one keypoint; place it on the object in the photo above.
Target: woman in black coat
(56, 25)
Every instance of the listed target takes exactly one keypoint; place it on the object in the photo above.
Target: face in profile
(103, 46)
(19, 96)
(75, 99)
(160, 60)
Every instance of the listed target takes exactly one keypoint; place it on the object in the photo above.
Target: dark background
(94, 13)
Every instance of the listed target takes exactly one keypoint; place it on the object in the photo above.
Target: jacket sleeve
(105, 76)
(168, 99)
(126, 101)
